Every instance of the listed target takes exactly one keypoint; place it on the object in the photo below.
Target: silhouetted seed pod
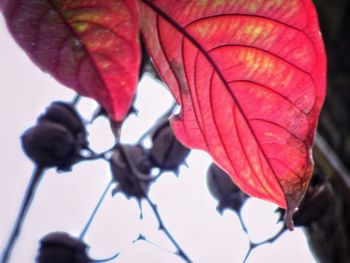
(66, 115)
(167, 153)
(131, 170)
(224, 190)
(316, 203)
(59, 247)
(50, 144)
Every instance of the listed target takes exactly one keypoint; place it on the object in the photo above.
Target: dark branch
(162, 227)
(167, 114)
(38, 172)
(144, 239)
(92, 216)
(330, 162)
(75, 100)
(180, 251)
(272, 239)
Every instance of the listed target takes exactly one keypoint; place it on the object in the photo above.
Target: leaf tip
(288, 219)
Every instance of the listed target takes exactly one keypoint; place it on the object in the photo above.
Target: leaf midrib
(83, 46)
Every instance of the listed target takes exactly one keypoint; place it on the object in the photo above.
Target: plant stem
(167, 114)
(144, 239)
(328, 160)
(92, 216)
(272, 239)
(38, 172)
(241, 221)
(180, 251)
(76, 99)
(106, 259)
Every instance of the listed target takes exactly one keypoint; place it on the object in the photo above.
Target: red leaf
(250, 78)
(90, 46)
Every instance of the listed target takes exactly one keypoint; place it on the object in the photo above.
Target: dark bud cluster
(57, 138)
(131, 165)
(131, 169)
(316, 204)
(220, 185)
(167, 153)
(59, 247)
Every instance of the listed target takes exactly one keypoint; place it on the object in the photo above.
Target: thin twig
(92, 216)
(272, 239)
(96, 156)
(180, 251)
(162, 227)
(241, 221)
(35, 179)
(151, 129)
(98, 112)
(75, 100)
(106, 259)
(143, 238)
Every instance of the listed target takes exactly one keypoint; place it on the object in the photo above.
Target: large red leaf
(250, 78)
(91, 46)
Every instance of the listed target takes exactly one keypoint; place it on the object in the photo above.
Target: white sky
(64, 201)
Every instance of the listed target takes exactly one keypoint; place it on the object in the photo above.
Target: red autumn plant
(90, 46)
(249, 75)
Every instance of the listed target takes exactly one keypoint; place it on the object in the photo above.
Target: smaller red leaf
(90, 46)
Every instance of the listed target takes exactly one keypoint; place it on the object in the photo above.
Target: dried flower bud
(50, 144)
(66, 115)
(59, 247)
(167, 153)
(131, 170)
(224, 190)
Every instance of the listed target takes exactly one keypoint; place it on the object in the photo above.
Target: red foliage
(250, 79)
(90, 46)
(249, 74)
